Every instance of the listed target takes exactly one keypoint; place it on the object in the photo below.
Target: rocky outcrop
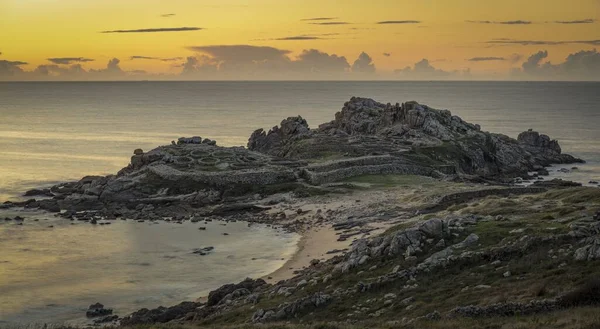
(230, 291)
(415, 133)
(160, 314)
(293, 309)
(590, 251)
(290, 130)
(365, 138)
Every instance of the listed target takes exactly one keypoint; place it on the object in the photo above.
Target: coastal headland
(410, 216)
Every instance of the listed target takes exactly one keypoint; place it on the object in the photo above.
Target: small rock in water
(203, 251)
(225, 233)
(593, 182)
(202, 228)
(97, 310)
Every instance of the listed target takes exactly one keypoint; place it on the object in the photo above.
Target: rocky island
(438, 224)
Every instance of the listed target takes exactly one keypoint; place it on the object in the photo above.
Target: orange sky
(446, 32)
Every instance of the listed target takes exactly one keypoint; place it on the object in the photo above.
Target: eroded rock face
(290, 129)
(532, 138)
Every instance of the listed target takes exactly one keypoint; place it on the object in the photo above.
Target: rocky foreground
(438, 232)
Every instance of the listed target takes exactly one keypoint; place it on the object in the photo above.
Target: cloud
(241, 52)
(486, 59)
(156, 30)
(167, 15)
(253, 62)
(423, 70)
(505, 41)
(313, 60)
(10, 68)
(331, 23)
(582, 65)
(299, 37)
(69, 60)
(319, 19)
(399, 22)
(387, 54)
(581, 21)
(364, 64)
(169, 59)
(515, 22)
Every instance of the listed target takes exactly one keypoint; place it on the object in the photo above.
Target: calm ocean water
(53, 132)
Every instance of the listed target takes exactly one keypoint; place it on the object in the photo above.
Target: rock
(107, 319)
(593, 182)
(390, 296)
(293, 309)
(97, 310)
(469, 241)
(433, 316)
(407, 301)
(138, 152)
(507, 274)
(556, 183)
(39, 192)
(434, 228)
(203, 251)
(482, 286)
(214, 297)
(590, 251)
(314, 262)
(190, 140)
(302, 284)
(534, 139)
(160, 314)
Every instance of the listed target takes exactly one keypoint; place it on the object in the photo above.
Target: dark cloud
(167, 15)
(515, 22)
(387, 54)
(319, 19)
(241, 52)
(399, 22)
(10, 68)
(169, 59)
(69, 60)
(331, 23)
(505, 41)
(54, 70)
(363, 64)
(252, 62)
(582, 65)
(423, 70)
(299, 37)
(316, 61)
(581, 21)
(486, 59)
(155, 30)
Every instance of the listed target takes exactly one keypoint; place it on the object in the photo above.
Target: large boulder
(243, 288)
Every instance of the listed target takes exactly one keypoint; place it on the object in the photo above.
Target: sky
(291, 39)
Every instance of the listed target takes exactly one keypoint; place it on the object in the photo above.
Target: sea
(59, 131)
